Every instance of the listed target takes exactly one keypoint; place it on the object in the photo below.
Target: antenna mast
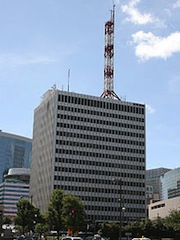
(109, 59)
(68, 78)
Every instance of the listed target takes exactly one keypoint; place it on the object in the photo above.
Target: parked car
(98, 237)
(144, 238)
(89, 238)
(71, 238)
(86, 235)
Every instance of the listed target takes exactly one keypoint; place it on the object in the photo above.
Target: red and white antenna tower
(109, 59)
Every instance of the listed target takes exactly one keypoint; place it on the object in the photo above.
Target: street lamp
(123, 209)
(119, 182)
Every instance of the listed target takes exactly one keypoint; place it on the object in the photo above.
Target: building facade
(14, 187)
(153, 183)
(163, 208)
(15, 152)
(84, 144)
(170, 184)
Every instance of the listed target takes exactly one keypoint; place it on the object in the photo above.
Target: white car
(71, 238)
(144, 238)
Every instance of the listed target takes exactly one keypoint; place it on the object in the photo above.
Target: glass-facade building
(170, 184)
(15, 152)
(153, 178)
(81, 144)
(153, 183)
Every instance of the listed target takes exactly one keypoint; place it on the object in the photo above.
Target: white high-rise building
(82, 143)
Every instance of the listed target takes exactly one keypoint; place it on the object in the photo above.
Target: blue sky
(41, 39)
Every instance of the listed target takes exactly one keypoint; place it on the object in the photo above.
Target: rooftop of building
(14, 136)
(19, 174)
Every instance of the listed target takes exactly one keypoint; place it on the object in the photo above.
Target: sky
(41, 40)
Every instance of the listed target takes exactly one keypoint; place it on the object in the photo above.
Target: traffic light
(71, 212)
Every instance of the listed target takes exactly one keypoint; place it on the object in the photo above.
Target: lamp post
(119, 182)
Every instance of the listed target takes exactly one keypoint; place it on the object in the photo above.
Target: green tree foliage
(147, 227)
(42, 227)
(55, 211)
(172, 222)
(7, 220)
(73, 213)
(27, 216)
(109, 230)
(65, 211)
(158, 228)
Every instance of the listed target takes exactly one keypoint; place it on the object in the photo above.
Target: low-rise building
(14, 187)
(163, 208)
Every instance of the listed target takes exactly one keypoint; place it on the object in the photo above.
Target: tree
(73, 213)
(55, 211)
(147, 227)
(42, 227)
(27, 216)
(158, 228)
(7, 220)
(134, 228)
(172, 222)
(109, 230)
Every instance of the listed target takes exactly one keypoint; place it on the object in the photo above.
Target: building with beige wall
(163, 208)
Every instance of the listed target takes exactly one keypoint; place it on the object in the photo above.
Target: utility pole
(119, 183)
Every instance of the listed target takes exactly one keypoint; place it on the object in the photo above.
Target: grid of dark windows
(97, 181)
(97, 140)
(136, 108)
(94, 162)
(100, 154)
(100, 138)
(99, 129)
(112, 115)
(97, 172)
(106, 199)
(100, 146)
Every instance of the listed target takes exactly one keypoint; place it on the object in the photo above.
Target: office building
(170, 184)
(15, 152)
(153, 183)
(14, 188)
(82, 143)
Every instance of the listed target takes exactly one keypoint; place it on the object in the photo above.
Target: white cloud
(150, 109)
(135, 16)
(177, 4)
(168, 12)
(151, 46)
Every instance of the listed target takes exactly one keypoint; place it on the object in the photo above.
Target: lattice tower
(109, 59)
